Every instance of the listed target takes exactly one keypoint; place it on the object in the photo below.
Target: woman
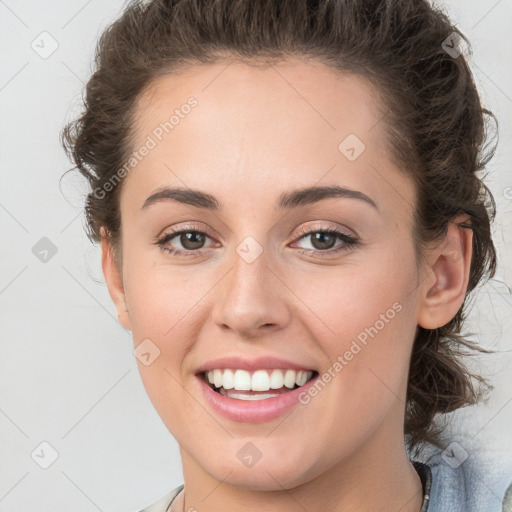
(291, 220)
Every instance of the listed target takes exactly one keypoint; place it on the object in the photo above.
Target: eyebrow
(286, 200)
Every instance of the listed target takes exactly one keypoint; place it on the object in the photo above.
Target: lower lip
(253, 411)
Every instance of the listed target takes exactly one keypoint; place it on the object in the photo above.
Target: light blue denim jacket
(473, 486)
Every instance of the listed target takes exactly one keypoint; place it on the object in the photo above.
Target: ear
(114, 280)
(448, 266)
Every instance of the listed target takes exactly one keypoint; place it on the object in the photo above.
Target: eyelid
(313, 228)
(348, 238)
(303, 230)
(187, 226)
(348, 241)
(169, 234)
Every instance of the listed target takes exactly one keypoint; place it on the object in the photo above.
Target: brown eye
(322, 241)
(192, 240)
(184, 242)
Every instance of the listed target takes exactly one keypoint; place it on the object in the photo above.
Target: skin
(256, 133)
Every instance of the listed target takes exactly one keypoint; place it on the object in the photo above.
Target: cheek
(364, 319)
(162, 310)
(163, 304)
(161, 298)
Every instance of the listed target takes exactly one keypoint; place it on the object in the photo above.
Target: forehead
(296, 122)
(266, 98)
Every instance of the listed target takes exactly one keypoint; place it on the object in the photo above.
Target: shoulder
(163, 503)
(468, 483)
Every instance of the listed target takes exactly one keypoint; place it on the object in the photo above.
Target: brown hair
(436, 126)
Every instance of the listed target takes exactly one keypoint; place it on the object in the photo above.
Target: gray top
(447, 486)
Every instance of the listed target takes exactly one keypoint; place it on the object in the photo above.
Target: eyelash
(349, 240)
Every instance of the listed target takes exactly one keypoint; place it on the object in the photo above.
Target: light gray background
(68, 376)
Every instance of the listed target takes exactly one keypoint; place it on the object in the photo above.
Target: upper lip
(258, 363)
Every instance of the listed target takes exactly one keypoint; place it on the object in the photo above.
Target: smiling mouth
(257, 385)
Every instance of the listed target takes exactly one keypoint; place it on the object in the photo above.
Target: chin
(272, 474)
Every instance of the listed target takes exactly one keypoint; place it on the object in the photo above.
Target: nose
(251, 299)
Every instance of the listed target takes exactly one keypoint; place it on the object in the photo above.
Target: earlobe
(445, 288)
(114, 280)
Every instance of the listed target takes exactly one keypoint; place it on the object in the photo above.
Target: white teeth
(289, 378)
(228, 379)
(242, 396)
(276, 379)
(242, 380)
(302, 377)
(260, 380)
(217, 378)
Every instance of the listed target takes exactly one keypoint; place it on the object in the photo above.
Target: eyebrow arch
(183, 195)
(286, 200)
(310, 195)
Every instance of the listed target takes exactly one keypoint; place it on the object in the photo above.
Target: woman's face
(262, 278)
